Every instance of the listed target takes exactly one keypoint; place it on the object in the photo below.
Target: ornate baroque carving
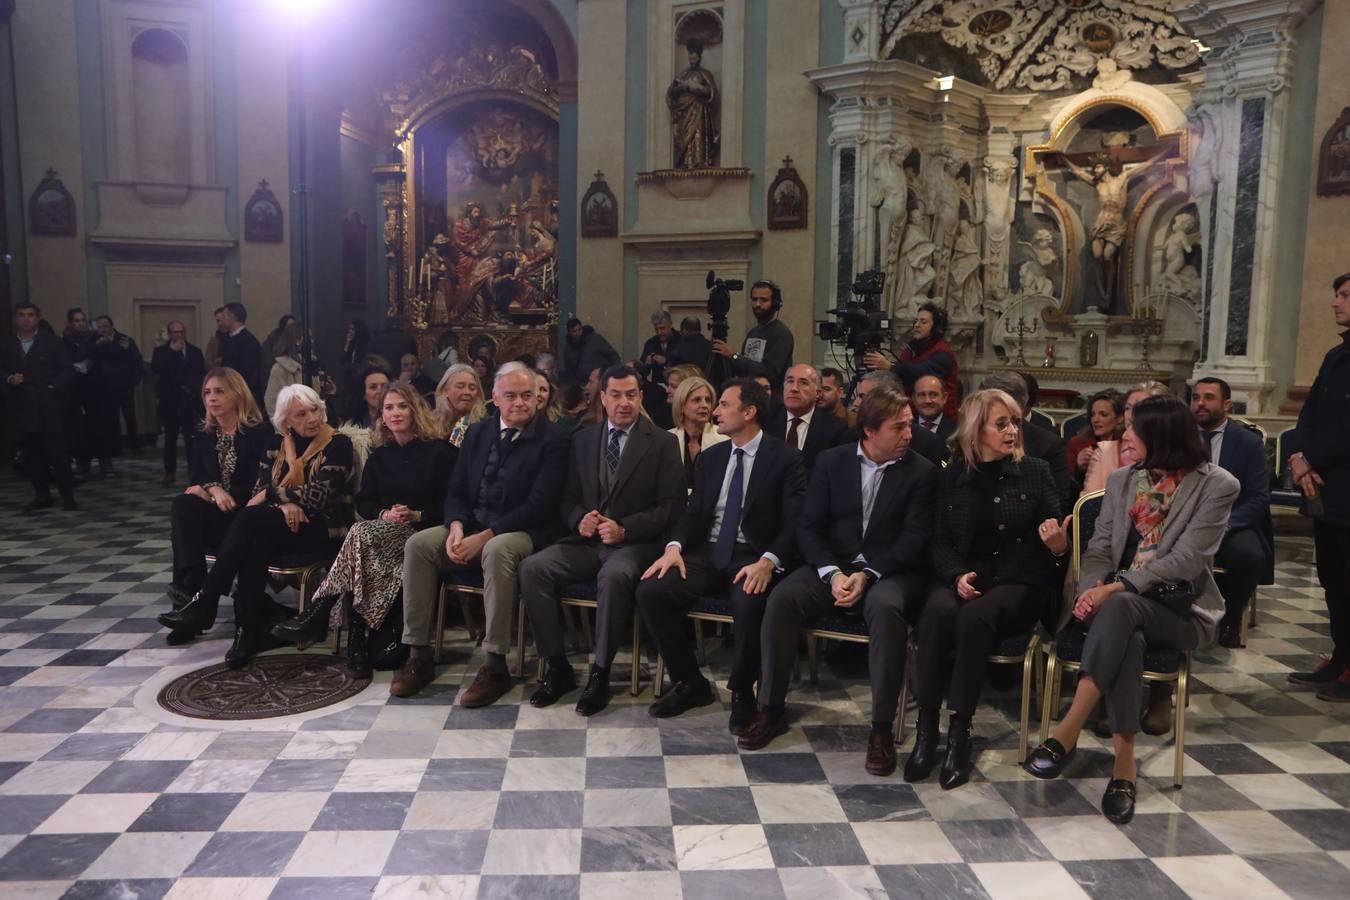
(51, 209)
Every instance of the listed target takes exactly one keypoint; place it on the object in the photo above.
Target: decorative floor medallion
(269, 686)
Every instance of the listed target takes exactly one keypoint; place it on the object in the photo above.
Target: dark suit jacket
(896, 542)
(695, 349)
(1244, 457)
(929, 445)
(180, 377)
(250, 443)
(244, 354)
(533, 472)
(1042, 443)
(38, 405)
(946, 425)
(773, 499)
(648, 491)
(824, 432)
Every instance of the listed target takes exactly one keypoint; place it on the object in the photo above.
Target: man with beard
(767, 349)
(584, 351)
(927, 353)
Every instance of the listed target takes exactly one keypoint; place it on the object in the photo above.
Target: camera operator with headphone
(926, 353)
(768, 346)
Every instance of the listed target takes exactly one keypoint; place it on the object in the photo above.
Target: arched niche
(161, 107)
(1151, 260)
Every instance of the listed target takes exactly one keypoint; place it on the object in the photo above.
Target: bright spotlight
(300, 10)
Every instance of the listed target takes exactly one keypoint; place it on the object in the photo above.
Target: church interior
(1094, 193)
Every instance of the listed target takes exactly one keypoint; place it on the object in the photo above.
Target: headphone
(939, 319)
(774, 290)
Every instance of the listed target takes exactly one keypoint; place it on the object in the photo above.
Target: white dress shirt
(870, 474)
(801, 429)
(749, 450)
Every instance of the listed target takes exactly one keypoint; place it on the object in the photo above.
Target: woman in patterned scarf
(459, 402)
(1146, 581)
(301, 503)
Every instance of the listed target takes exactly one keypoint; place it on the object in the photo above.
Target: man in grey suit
(625, 488)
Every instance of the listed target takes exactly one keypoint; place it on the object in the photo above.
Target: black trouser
(1244, 557)
(956, 638)
(45, 456)
(662, 603)
(1333, 571)
(801, 597)
(124, 400)
(181, 420)
(257, 535)
(105, 440)
(195, 525)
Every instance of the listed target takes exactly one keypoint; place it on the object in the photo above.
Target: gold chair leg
(442, 598)
(1179, 725)
(635, 682)
(1024, 722)
(659, 677)
(1050, 694)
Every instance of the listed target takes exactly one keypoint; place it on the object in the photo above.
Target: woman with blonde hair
(692, 407)
(402, 491)
(546, 395)
(459, 402)
(301, 503)
(222, 469)
(997, 550)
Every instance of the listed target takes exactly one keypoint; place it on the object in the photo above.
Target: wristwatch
(735, 356)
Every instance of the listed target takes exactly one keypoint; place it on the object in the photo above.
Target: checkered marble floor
(104, 795)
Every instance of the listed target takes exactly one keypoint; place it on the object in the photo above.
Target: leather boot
(957, 764)
(248, 643)
(924, 756)
(358, 650)
(1158, 717)
(197, 615)
(310, 627)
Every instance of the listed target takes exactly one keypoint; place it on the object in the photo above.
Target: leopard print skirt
(370, 565)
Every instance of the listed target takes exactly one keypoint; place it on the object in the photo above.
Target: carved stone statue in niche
(954, 232)
(692, 98)
(1035, 274)
(433, 281)
(1178, 270)
(907, 250)
(998, 208)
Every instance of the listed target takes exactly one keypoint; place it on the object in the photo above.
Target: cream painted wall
(789, 257)
(264, 149)
(1324, 255)
(603, 26)
(49, 123)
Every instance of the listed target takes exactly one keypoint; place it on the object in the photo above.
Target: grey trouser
(801, 597)
(616, 571)
(1114, 651)
(424, 559)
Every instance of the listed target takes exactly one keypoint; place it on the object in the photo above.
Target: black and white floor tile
(102, 794)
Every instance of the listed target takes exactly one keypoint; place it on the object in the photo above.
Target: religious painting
(354, 234)
(787, 199)
(599, 210)
(1333, 164)
(263, 218)
(51, 209)
(486, 183)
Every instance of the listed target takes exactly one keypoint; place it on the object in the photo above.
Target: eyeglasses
(1006, 424)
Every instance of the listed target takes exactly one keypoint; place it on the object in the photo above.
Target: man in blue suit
(1247, 553)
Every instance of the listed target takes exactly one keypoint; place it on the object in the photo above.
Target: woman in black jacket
(222, 470)
(402, 491)
(301, 503)
(997, 551)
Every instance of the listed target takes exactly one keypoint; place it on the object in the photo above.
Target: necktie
(499, 450)
(792, 434)
(931, 425)
(731, 515)
(612, 451)
(1209, 442)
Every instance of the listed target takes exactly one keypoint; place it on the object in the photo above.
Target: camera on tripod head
(859, 325)
(719, 302)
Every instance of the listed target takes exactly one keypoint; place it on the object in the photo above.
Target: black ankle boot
(956, 764)
(924, 756)
(358, 650)
(310, 627)
(197, 615)
(248, 643)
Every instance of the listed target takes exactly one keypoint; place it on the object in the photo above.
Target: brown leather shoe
(762, 730)
(1230, 637)
(880, 754)
(488, 686)
(1158, 717)
(418, 671)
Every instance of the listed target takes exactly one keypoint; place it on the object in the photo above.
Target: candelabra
(1148, 312)
(1022, 330)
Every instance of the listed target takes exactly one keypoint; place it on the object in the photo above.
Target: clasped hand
(1091, 600)
(595, 524)
(462, 549)
(399, 513)
(847, 589)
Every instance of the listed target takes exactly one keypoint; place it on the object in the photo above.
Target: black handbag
(1177, 596)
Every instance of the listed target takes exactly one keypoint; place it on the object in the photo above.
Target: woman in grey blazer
(1160, 524)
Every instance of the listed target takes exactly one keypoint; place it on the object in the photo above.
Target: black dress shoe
(924, 757)
(957, 763)
(198, 614)
(38, 503)
(358, 650)
(248, 643)
(178, 598)
(1118, 801)
(595, 696)
(742, 712)
(310, 627)
(1049, 759)
(558, 681)
(683, 697)
(180, 636)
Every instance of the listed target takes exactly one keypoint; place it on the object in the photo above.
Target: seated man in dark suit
(737, 533)
(798, 420)
(501, 506)
(625, 488)
(925, 443)
(1247, 554)
(1038, 442)
(863, 537)
(930, 399)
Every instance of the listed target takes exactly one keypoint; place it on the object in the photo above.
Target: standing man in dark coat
(1321, 464)
(119, 368)
(655, 359)
(693, 348)
(85, 440)
(179, 368)
(243, 353)
(584, 351)
(36, 372)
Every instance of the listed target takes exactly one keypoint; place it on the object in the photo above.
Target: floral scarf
(295, 468)
(1152, 501)
(458, 430)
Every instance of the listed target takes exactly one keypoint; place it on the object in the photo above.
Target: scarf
(1152, 501)
(458, 430)
(295, 468)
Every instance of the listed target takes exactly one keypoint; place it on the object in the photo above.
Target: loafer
(489, 686)
(683, 697)
(557, 681)
(742, 712)
(1049, 759)
(1118, 801)
(595, 696)
(763, 729)
(880, 754)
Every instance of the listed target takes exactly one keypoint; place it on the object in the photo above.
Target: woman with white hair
(459, 402)
(301, 502)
